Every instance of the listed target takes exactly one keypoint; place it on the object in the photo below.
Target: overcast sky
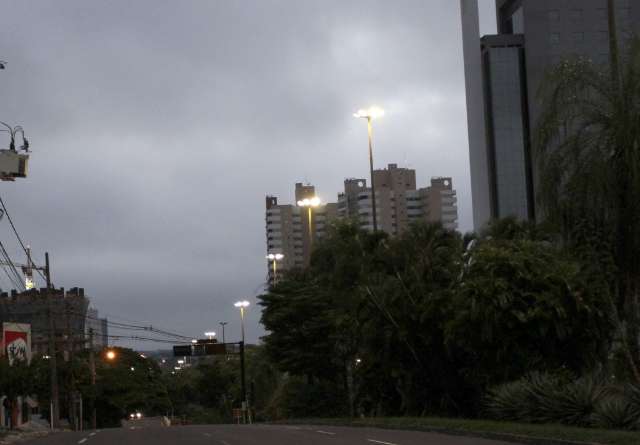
(158, 127)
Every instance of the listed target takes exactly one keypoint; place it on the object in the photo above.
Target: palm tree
(588, 147)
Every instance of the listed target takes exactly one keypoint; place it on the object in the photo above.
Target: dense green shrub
(557, 398)
(615, 412)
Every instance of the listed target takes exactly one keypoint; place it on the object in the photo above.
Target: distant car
(135, 416)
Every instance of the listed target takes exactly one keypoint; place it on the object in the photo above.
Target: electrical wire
(15, 231)
(17, 279)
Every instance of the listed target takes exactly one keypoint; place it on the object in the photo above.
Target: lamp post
(310, 203)
(210, 335)
(241, 305)
(370, 114)
(223, 324)
(274, 258)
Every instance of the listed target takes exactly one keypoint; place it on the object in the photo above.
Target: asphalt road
(145, 434)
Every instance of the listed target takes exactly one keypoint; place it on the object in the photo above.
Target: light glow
(275, 256)
(309, 202)
(243, 303)
(111, 355)
(372, 112)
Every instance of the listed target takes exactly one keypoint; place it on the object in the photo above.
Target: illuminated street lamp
(110, 355)
(274, 258)
(245, 405)
(310, 203)
(241, 305)
(370, 114)
(210, 335)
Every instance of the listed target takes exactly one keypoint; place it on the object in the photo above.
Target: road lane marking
(92, 434)
(381, 442)
(224, 442)
(83, 440)
(325, 432)
(207, 434)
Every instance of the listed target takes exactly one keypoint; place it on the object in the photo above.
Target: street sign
(205, 347)
(182, 351)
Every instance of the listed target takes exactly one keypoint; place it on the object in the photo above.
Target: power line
(17, 279)
(15, 231)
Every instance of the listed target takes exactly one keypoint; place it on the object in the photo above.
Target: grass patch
(534, 433)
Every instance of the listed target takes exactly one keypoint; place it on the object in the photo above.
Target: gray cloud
(159, 126)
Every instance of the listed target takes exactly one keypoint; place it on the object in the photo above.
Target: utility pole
(92, 367)
(53, 366)
(71, 393)
(243, 383)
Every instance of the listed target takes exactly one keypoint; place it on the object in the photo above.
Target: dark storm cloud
(159, 126)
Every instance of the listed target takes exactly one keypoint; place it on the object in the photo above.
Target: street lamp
(110, 355)
(245, 405)
(241, 305)
(223, 324)
(275, 257)
(310, 203)
(210, 335)
(370, 114)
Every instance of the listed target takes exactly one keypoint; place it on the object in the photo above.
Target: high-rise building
(292, 229)
(503, 75)
(398, 202)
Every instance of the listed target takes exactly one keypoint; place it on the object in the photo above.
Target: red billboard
(16, 342)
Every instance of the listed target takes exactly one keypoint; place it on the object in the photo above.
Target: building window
(578, 37)
(575, 15)
(554, 15)
(554, 38)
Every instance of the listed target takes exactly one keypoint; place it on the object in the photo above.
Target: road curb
(19, 437)
(505, 437)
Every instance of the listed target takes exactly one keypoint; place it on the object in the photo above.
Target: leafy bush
(615, 413)
(506, 401)
(574, 403)
(632, 396)
(549, 398)
(299, 398)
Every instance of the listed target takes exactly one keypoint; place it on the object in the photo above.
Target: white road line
(92, 434)
(83, 440)
(207, 434)
(224, 442)
(381, 442)
(325, 432)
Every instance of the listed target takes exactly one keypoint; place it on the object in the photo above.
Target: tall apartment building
(290, 231)
(398, 202)
(503, 74)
